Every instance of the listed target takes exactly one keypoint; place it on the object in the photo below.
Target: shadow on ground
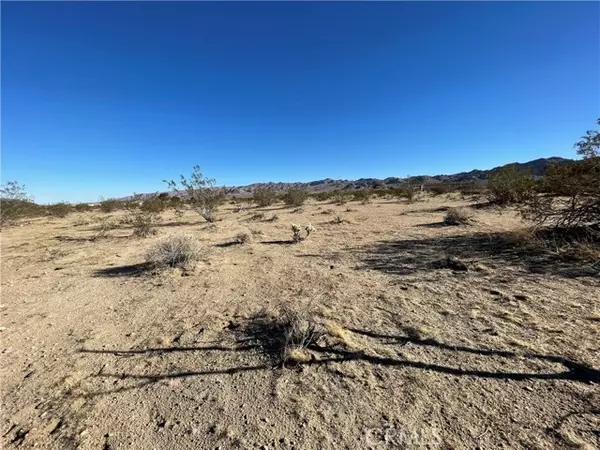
(410, 256)
(130, 270)
(265, 337)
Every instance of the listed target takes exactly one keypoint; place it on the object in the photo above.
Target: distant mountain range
(538, 166)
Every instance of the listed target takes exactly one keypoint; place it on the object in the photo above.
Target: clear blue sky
(107, 98)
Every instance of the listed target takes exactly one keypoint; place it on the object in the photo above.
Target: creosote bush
(177, 250)
(295, 197)
(201, 193)
(109, 205)
(510, 185)
(16, 204)
(458, 216)
(264, 196)
(61, 209)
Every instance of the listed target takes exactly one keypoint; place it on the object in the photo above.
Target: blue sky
(107, 98)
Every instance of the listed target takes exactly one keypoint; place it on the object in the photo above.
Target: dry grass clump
(243, 238)
(337, 331)
(174, 251)
(287, 333)
(458, 216)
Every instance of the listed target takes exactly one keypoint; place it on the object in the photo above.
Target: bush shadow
(410, 256)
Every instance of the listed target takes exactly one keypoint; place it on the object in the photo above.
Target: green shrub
(510, 185)
(61, 209)
(295, 197)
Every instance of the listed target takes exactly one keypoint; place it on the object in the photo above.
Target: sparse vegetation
(61, 209)
(144, 224)
(177, 250)
(202, 193)
(297, 232)
(510, 185)
(264, 196)
(458, 216)
(295, 197)
(15, 204)
(570, 195)
(110, 205)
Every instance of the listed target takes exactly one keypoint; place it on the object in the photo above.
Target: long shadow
(288, 242)
(131, 270)
(266, 335)
(410, 256)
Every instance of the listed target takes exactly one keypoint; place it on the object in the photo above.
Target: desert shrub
(407, 193)
(510, 185)
(339, 197)
(264, 196)
(154, 204)
(362, 195)
(257, 216)
(174, 251)
(61, 209)
(16, 204)
(82, 207)
(288, 333)
(323, 196)
(144, 224)
(110, 204)
(439, 189)
(570, 192)
(202, 193)
(458, 216)
(104, 226)
(295, 197)
(338, 220)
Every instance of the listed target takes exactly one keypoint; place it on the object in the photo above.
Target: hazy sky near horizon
(107, 98)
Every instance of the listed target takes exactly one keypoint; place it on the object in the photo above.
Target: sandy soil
(100, 354)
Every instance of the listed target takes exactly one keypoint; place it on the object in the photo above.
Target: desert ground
(100, 353)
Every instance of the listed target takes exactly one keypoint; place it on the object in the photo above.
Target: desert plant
(362, 196)
(295, 197)
(144, 224)
(109, 205)
(154, 204)
(337, 220)
(15, 203)
(570, 195)
(82, 207)
(339, 197)
(174, 251)
(104, 226)
(202, 193)
(297, 232)
(264, 196)
(288, 333)
(458, 216)
(257, 216)
(509, 185)
(61, 209)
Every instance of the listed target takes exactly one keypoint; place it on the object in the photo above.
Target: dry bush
(174, 251)
(458, 216)
(264, 196)
(338, 220)
(144, 224)
(339, 197)
(110, 204)
(16, 204)
(257, 216)
(362, 196)
(61, 209)
(105, 224)
(243, 238)
(570, 191)
(287, 333)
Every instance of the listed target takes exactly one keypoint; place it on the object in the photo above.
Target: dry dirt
(98, 353)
